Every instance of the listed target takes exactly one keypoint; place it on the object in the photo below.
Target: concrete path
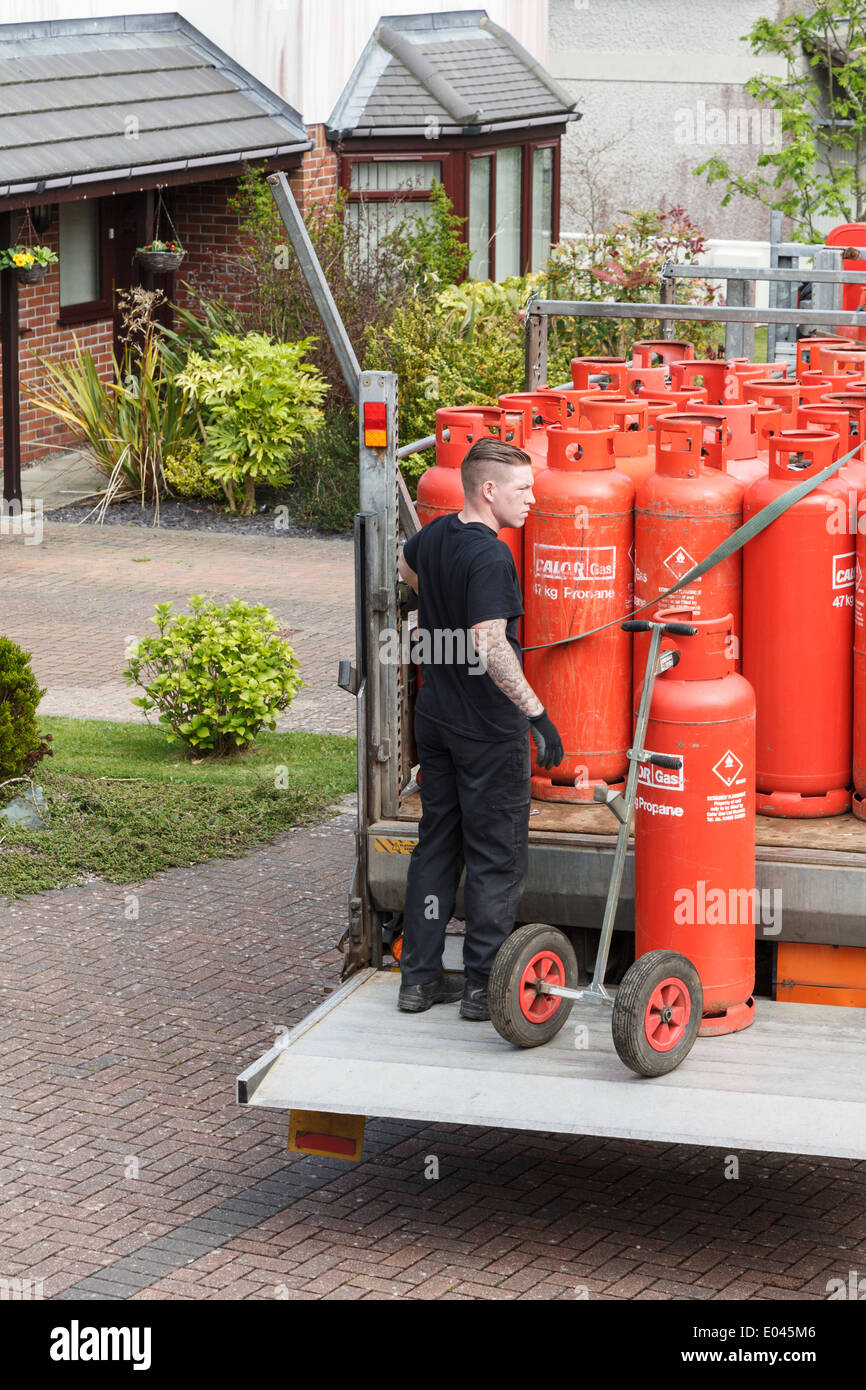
(77, 598)
(61, 480)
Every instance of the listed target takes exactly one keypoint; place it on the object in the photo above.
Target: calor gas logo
(843, 571)
(663, 778)
(584, 562)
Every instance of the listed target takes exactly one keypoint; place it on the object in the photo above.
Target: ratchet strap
(753, 527)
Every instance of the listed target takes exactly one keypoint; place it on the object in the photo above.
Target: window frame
(390, 195)
(90, 310)
(454, 159)
(529, 170)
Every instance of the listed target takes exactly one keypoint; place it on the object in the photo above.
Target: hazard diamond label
(679, 562)
(728, 768)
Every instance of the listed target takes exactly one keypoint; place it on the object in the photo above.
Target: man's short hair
(488, 458)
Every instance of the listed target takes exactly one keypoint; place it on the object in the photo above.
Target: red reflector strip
(332, 1143)
(375, 424)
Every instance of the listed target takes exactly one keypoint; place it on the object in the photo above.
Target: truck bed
(818, 866)
(791, 1083)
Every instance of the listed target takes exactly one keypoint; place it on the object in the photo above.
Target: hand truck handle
(672, 629)
(664, 760)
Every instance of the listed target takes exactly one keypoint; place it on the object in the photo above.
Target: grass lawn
(124, 804)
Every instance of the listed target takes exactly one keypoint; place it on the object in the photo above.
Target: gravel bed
(197, 516)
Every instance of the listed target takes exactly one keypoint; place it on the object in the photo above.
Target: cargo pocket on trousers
(513, 792)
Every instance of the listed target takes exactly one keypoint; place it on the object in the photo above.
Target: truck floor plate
(791, 1083)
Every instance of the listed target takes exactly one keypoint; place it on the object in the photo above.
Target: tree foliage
(818, 169)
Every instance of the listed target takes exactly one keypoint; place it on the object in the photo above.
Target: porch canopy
(90, 107)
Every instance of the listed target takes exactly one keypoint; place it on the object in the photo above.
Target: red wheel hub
(666, 1017)
(545, 967)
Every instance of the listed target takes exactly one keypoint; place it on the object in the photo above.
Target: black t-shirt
(466, 575)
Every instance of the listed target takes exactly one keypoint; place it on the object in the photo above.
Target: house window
(403, 176)
(543, 165)
(385, 194)
(80, 256)
(480, 183)
(511, 210)
(509, 207)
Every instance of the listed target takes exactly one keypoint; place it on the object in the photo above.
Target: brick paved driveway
(75, 600)
(127, 1170)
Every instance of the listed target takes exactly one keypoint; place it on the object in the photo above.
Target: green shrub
(196, 332)
(129, 424)
(624, 264)
(187, 474)
(325, 489)
(464, 349)
(21, 744)
(217, 676)
(430, 250)
(258, 400)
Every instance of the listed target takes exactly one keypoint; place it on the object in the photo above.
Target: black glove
(548, 743)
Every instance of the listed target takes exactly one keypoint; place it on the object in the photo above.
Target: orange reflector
(375, 424)
(328, 1135)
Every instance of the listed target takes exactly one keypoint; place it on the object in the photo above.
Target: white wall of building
(303, 49)
(660, 85)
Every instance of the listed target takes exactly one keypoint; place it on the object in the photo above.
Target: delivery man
(471, 721)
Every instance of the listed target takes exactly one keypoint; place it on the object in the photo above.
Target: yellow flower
(23, 258)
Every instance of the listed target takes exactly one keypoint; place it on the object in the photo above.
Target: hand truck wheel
(657, 1013)
(518, 1011)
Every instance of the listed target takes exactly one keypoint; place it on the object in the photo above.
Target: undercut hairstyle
(490, 458)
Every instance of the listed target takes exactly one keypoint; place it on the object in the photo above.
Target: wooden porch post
(11, 400)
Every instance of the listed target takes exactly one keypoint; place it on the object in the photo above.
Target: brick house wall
(209, 231)
(316, 180)
(40, 332)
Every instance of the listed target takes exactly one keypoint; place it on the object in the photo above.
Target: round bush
(217, 676)
(21, 744)
(187, 474)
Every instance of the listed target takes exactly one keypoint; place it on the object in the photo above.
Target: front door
(126, 213)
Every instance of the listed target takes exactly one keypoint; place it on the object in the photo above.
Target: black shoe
(474, 1004)
(416, 999)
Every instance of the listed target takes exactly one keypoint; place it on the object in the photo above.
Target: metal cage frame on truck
(791, 1083)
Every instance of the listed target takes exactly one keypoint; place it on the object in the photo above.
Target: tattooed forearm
(502, 666)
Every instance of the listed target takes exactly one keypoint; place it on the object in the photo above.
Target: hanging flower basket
(160, 256)
(31, 274)
(30, 263)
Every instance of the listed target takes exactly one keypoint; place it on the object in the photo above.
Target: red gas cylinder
(675, 400)
(609, 373)
(834, 416)
(646, 379)
(440, 489)
(772, 391)
(854, 402)
(572, 401)
(809, 352)
(631, 446)
(815, 385)
(743, 459)
(539, 409)
(721, 382)
(835, 360)
(682, 512)
(798, 578)
(651, 351)
(579, 576)
(858, 804)
(694, 830)
(769, 421)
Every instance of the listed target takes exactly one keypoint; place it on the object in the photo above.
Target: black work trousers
(475, 812)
